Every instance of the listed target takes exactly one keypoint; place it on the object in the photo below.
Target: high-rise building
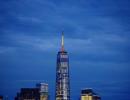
(43, 89)
(88, 94)
(28, 94)
(62, 74)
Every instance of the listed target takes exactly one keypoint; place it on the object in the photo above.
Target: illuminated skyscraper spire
(62, 42)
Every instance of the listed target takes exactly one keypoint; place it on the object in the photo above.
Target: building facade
(43, 89)
(62, 74)
(88, 94)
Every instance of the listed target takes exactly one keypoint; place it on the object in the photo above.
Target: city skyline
(97, 39)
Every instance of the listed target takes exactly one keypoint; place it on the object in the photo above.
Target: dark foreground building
(88, 94)
(1, 97)
(38, 93)
(62, 74)
(28, 94)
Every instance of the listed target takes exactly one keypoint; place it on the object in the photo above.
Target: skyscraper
(62, 74)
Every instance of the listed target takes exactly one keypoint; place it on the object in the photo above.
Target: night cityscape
(64, 50)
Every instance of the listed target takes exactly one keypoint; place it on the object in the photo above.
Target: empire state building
(62, 74)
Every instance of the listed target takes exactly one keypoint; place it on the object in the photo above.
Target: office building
(62, 74)
(43, 89)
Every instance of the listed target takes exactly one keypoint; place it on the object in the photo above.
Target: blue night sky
(97, 34)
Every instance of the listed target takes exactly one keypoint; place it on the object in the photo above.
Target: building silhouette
(88, 94)
(40, 92)
(28, 94)
(62, 74)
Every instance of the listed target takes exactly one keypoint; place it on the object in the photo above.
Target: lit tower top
(62, 42)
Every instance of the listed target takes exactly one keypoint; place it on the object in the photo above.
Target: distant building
(88, 94)
(43, 89)
(1, 97)
(38, 93)
(28, 94)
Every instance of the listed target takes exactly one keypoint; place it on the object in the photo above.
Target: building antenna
(62, 42)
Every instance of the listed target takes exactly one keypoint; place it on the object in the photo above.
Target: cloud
(29, 19)
(4, 49)
(32, 42)
(96, 38)
(99, 43)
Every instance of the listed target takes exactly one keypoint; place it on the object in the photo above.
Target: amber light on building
(88, 94)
